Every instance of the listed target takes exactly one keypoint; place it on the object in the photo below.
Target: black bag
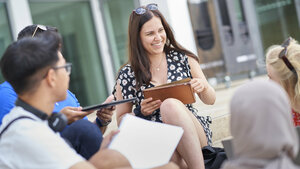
(213, 157)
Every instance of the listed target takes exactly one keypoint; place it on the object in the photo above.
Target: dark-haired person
(40, 76)
(84, 136)
(156, 58)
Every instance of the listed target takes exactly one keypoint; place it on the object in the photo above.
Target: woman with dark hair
(156, 58)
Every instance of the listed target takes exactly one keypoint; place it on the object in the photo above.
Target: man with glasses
(40, 76)
(84, 136)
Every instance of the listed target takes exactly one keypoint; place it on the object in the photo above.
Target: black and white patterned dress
(178, 68)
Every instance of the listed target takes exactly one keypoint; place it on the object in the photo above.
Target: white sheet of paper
(146, 144)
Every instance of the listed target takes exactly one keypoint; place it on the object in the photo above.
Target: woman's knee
(170, 104)
(171, 108)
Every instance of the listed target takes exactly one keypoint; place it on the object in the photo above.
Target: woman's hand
(148, 106)
(198, 85)
(105, 114)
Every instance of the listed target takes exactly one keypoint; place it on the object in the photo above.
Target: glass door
(116, 14)
(277, 20)
(74, 21)
(5, 33)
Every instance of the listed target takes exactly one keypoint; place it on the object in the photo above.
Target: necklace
(157, 68)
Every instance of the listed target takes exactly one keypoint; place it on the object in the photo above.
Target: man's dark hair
(28, 31)
(26, 62)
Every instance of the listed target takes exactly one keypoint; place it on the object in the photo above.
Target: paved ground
(219, 111)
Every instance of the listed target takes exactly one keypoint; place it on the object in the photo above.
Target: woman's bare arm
(205, 92)
(121, 109)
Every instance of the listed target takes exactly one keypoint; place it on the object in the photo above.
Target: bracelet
(100, 123)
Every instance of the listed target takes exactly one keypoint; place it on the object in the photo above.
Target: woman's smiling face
(153, 36)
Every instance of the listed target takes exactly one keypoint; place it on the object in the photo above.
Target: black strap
(57, 121)
(31, 109)
(21, 117)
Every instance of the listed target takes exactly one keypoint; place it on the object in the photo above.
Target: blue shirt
(8, 98)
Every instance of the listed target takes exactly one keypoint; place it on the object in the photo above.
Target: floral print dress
(178, 68)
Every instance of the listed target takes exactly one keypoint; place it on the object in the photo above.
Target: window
(74, 21)
(201, 21)
(277, 20)
(116, 14)
(5, 34)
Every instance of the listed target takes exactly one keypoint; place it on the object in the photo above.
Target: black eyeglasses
(142, 10)
(283, 53)
(39, 27)
(67, 66)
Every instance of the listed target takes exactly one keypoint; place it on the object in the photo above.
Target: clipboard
(103, 105)
(180, 90)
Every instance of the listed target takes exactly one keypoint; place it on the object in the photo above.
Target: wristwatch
(102, 123)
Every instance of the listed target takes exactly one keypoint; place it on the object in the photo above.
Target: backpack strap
(6, 127)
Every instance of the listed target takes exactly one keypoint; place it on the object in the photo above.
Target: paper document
(144, 143)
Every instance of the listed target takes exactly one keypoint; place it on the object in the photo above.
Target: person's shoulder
(18, 111)
(176, 55)
(71, 101)
(15, 138)
(24, 122)
(175, 52)
(5, 84)
(7, 98)
(71, 96)
(126, 67)
(39, 141)
(31, 128)
(7, 92)
(6, 87)
(126, 71)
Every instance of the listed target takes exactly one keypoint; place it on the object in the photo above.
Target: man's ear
(51, 78)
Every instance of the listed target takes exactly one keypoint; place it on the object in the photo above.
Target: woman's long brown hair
(138, 58)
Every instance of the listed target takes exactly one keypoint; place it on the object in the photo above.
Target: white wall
(19, 15)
